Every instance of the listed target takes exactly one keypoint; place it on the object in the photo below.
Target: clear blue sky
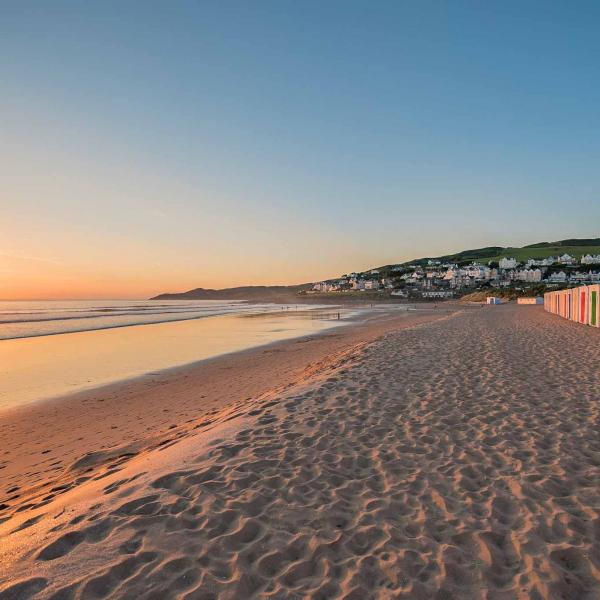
(153, 146)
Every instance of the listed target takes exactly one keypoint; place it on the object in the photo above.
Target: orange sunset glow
(299, 300)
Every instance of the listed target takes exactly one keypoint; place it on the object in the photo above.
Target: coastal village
(434, 279)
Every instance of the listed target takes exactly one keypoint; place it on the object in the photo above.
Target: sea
(55, 348)
(36, 318)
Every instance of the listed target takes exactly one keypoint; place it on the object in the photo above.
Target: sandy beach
(445, 454)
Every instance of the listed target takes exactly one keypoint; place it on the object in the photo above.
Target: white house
(566, 259)
(508, 263)
(590, 259)
(541, 262)
(466, 277)
(326, 286)
(438, 294)
(530, 275)
(456, 277)
(535, 275)
(476, 271)
(583, 277)
(560, 277)
(371, 284)
(578, 277)
(435, 274)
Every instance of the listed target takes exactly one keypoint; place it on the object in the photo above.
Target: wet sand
(448, 457)
(50, 366)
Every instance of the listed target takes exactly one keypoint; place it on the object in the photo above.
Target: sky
(150, 146)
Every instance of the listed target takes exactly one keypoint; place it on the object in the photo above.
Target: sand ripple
(458, 459)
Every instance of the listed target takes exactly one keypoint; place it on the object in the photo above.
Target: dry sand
(456, 458)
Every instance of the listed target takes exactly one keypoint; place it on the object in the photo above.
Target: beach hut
(534, 300)
(580, 304)
(594, 305)
(493, 300)
(572, 306)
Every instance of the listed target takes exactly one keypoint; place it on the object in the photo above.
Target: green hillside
(522, 254)
(574, 247)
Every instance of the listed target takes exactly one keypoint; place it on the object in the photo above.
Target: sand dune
(454, 459)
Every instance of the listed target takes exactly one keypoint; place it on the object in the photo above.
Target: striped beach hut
(594, 305)
(580, 304)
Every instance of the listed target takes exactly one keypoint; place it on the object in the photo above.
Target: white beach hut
(534, 300)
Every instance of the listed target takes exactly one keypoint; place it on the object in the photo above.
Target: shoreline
(50, 366)
(130, 416)
(144, 324)
(350, 321)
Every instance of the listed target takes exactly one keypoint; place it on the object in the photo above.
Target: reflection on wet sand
(42, 367)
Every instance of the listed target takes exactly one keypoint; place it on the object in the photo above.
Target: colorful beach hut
(580, 304)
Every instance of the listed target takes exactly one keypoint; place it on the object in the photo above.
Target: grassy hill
(574, 247)
(522, 254)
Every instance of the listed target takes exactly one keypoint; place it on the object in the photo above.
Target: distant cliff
(264, 293)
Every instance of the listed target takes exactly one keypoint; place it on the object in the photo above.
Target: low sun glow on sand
(41, 367)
